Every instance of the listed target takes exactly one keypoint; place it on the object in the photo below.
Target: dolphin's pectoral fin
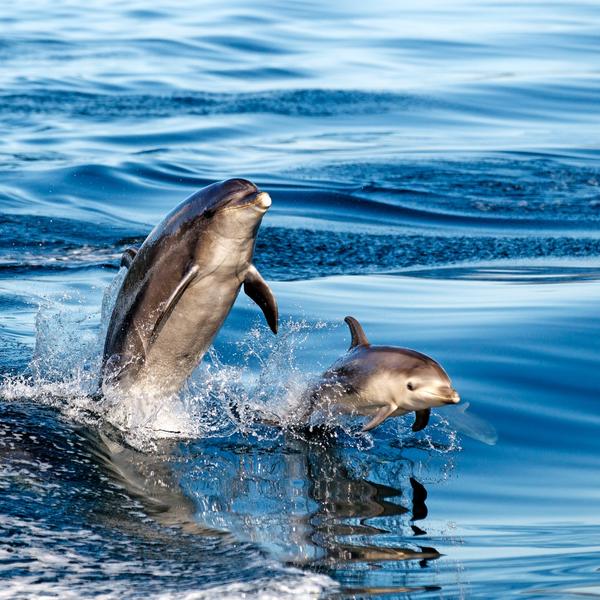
(127, 257)
(382, 414)
(256, 288)
(356, 331)
(173, 299)
(421, 419)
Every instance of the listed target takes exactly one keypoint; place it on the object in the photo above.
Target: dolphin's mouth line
(451, 401)
(261, 199)
(445, 399)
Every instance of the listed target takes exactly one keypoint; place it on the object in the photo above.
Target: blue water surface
(435, 172)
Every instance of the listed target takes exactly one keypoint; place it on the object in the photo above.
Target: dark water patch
(43, 244)
(534, 187)
(301, 103)
(39, 244)
(171, 135)
(88, 192)
(11, 160)
(281, 253)
(525, 194)
(21, 232)
(412, 210)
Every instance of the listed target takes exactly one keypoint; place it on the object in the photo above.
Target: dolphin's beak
(263, 200)
(453, 398)
(446, 395)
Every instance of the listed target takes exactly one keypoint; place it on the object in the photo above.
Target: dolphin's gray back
(158, 267)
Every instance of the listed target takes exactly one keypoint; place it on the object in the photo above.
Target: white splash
(258, 395)
(218, 400)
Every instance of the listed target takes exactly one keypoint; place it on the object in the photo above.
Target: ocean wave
(508, 185)
(299, 102)
(280, 252)
(44, 245)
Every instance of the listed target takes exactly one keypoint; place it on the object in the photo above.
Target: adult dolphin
(381, 382)
(180, 286)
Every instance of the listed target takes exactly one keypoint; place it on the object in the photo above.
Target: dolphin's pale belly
(190, 330)
(185, 337)
(365, 400)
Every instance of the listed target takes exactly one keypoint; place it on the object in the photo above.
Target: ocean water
(435, 172)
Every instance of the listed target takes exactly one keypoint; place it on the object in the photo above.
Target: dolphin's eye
(410, 386)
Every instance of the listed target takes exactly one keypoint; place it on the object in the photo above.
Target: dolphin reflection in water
(301, 503)
(314, 504)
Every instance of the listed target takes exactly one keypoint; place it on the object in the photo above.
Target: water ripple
(301, 103)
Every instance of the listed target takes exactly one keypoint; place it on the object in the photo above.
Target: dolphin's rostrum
(180, 286)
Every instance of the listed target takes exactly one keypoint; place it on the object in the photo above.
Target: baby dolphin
(382, 382)
(180, 286)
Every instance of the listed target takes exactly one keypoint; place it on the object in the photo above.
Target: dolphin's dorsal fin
(356, 331)
(173, 299)
(256, 288)
(421, 419)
